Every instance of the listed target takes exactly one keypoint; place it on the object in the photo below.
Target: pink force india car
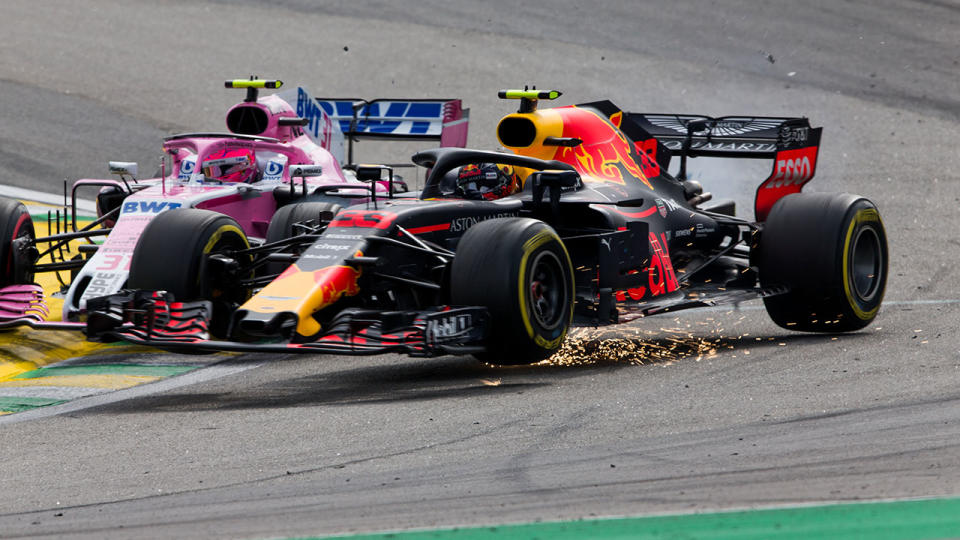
(280, 149)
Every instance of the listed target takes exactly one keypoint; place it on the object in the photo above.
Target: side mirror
(559, 178)
(368, 174)
(305, 170)
(292, 121)
(122, 168)
(554, 182)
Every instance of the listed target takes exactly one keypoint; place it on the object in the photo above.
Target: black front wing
(156, 319)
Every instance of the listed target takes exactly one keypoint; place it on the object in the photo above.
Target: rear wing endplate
(443, 120)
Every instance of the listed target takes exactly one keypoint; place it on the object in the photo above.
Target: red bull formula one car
(600, 233)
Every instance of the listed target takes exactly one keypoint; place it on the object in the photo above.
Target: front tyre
(519, 269)
(176, 254)
(830, 250)
(18, 252)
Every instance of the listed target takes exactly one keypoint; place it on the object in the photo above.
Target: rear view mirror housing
(128, 168)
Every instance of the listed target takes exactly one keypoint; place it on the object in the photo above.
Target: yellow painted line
(26, 349)
(2, 413)
(114, 382)
(13, 368)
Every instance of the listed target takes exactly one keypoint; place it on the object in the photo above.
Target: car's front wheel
(18, 252)
(176, 254)
(519, 269)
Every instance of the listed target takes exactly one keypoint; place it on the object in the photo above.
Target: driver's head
(237, 165)
(487, 181)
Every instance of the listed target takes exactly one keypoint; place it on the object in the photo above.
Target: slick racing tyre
(174, 255)
(519, 269)
(830, 250)
(283, 223)
(18, 252)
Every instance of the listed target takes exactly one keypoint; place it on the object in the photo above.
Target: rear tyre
(283, 223)
(519, 269)
(18, 252)
(830, 249)
(174, 255)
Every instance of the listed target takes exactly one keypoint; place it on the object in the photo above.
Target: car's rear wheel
(18, 252)
(519, 269)
(830, 250)
(176, 254)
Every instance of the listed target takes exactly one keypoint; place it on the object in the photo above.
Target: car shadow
(454, 377)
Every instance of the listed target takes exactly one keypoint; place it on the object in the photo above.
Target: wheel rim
(866, 268)
(21, 259)
(546, 290)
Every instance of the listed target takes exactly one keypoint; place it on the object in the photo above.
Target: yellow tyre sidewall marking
(222, 230)
(529, 247)
(865, 215)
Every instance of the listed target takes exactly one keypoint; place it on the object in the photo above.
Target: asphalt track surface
(726, 410)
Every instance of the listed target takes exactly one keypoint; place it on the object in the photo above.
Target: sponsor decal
(680, 233)
(148, 207)
(464, 223)
(662, 208)
(723, 146)
(188, 166)
(103, 283)
(704, 230)
(789, 135)
(273, 170)
(324, 246)
(447, 328)
(790, 169)
(319, 125)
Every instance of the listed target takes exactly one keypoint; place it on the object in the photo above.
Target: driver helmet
(488, 181)
(236, 165)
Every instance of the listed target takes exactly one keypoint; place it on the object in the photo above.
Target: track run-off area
(702, 424)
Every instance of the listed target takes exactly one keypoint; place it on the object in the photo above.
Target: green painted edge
(143, 370)
(20, 404)
(894, 520)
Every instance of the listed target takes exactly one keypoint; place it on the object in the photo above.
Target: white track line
(42, 197)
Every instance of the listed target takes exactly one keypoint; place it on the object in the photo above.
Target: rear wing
(728, 136)
(790, 142)
(443, 120)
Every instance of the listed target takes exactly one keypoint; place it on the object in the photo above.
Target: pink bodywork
(251, 205)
